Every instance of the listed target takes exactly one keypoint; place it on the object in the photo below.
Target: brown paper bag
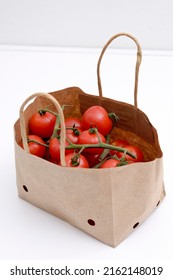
(108, 204)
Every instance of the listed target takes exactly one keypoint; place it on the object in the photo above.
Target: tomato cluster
(87, 142)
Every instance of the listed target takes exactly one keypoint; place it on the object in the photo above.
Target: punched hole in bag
(25, 188)
(91, 222)
(158, 203)
(135, 225)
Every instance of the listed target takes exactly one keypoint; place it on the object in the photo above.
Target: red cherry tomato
(35, 148)
(92, 159)
(110, 163)
(97, 116)
(53, 161)
(88, 137)
(79, 162)
(120, 143)
(73, 122)
(42, 124)
(134, 150)
(73, 135)
(54, 149)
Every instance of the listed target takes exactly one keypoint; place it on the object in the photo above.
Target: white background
(27, 232)
(77, 23)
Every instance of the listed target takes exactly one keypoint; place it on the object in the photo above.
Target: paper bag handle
(138, 62)
(61, 115)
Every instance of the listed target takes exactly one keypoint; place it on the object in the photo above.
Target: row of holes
(90, 221)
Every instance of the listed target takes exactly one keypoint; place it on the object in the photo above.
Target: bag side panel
(78, 196)
(137, 191)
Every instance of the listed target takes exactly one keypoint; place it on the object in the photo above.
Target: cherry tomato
(120, 143)
(88, 137)
(54, 149)
(35, 148)
(78, 162)
(73, 122)
(53, 161)
(97, 116)
(42, 124)
(134, 150)
(110, 163)
(73, 135)
(92, 159)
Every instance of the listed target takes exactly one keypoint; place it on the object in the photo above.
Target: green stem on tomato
(114, 119)
(37, 142)
(69, 141)
(122, 161)
(100, 145)
(56, 127)
(96, 131)
(67, 105)
(85, 146)
(106, 151)
(81, 150)
(43, 111)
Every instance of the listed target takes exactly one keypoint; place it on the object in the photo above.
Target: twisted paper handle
(138, 62)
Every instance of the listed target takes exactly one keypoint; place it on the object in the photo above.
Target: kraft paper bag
(107, 204)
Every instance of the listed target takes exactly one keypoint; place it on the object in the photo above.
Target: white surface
(88, 23)
(27, 232)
